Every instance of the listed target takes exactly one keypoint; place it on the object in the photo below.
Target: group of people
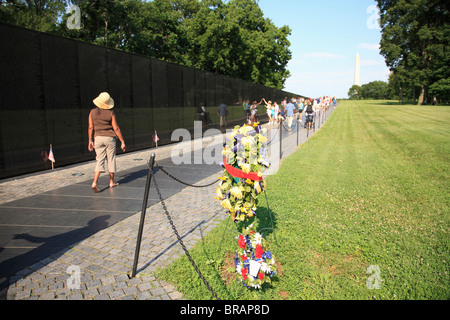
(103, 128)
(287, 110)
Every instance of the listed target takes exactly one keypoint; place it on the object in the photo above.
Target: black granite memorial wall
(48, 84)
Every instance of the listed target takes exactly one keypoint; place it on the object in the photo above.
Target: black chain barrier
(273, 136)
(182, 182)
(182, 243)
(290, 129)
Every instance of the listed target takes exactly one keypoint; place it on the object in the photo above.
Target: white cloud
(296, 63)
(324, 55)
(369, 46)
(372, 63)
(380, 74)
(319, 83)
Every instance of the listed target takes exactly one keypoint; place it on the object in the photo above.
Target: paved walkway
(104, 259)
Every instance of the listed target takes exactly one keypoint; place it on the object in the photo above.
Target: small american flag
(50, 155)
(155, 137)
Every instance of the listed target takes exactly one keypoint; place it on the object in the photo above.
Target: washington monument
(357, 70)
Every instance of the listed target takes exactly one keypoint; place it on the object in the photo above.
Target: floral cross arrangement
(242, 181)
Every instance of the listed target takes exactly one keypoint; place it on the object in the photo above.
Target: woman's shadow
(54, 246)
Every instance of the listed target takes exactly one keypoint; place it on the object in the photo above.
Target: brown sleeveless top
(102, 120)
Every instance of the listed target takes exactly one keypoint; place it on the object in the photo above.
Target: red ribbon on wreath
(238, 173)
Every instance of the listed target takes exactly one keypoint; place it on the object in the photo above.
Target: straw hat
(104, 101)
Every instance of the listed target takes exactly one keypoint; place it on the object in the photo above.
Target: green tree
(163, 30)
(155, 28)
(354, 92)
(235, 39)
(395, 87)
(415, 41)
(441, 90)
(371, 90)
(40, 15)
(374, 90)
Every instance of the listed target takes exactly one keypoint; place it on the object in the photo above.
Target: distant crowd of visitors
(287, 110)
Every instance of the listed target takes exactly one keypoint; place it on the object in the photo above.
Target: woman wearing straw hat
(103, 122)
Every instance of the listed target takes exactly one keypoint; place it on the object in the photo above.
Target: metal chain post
(281, 139)
(144, 208)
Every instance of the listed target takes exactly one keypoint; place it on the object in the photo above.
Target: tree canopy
(415, 45)
(371, 90)
(232, 37)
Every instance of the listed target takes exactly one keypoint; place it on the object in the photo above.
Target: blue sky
(325, 37)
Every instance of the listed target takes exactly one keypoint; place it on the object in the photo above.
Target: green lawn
(370, 188)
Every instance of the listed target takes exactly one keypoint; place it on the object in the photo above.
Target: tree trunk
(106, 33)
(422, 95)
(401, 95)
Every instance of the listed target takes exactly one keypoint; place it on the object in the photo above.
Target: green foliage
(371, 90)
(415, 43)
(38, 15)
(441, 90)
(227, 37)
(354, 92)
(234, 39)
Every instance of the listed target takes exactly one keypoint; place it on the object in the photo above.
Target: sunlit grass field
(369, 191)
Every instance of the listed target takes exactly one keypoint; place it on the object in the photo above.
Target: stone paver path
(106, 258)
